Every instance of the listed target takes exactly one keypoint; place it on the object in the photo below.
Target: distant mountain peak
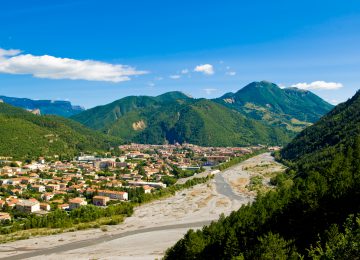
(46, 107)
(173, 95)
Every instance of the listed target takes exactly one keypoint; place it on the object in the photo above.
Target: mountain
(259, 113)
(290, 108)
(201, 122)
(102, 117)
(313, 213)
(46, 107)
(23, 135)
(337, 129)
(176, 117)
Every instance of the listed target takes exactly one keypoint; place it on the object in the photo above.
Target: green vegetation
(291, 108)
(314, 211)
(256, 183)
(24, 135)
(102, 117)
(198, 121)
(259, 113)
(62, 219)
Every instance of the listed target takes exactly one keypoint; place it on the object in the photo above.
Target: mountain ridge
(46, 107)
(132, 118)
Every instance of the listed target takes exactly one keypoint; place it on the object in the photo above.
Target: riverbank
(153, 227)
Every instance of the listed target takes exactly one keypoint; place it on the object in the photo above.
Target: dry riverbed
(155, 226)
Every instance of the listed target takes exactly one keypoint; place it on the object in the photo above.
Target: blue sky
(93, 52)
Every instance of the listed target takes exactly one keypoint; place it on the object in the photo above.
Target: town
(44, 185)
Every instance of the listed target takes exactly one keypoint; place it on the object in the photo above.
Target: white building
(115, 195)
(28, 206)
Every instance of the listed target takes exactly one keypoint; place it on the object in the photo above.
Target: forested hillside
(259, 113)
(24, 135)
(313, 213)
(290, 108)
(199, 122)
(103, 117)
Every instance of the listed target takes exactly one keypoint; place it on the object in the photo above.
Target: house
(52, 187)
(45, 206)
(63, 206)
(147, 189)
(48, 196)
(27, 180)
(11, 202)
(38, 188)
(77, 203)
(115, 195)
(28, 206)
(100, 200)
(4, 216)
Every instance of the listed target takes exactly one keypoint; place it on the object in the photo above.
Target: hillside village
(45, 185)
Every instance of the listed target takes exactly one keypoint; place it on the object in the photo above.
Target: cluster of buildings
(43, 185)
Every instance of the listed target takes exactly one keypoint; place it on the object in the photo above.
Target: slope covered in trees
(269, 116)
(200, 122)
(102, 117)
(313, 213)
(291, 108)
(24, 135)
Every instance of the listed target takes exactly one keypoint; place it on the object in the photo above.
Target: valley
(211, 130)
(154, 226)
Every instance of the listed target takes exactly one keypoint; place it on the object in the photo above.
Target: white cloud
(184, 71)
(231, 73)
(174, 76)
(207, 69)
(319, 85)
(50, 67)
(151, 84)
(159, 78)
(4, 53)
(282, 86)
(209, 91)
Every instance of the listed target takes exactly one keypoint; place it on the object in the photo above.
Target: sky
(93, 52)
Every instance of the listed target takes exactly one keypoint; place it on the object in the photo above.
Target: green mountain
(46, 107)
(291, 108)
(25, 135)
(176, 117)
(337, 129)
(200, 121)
(102, 117)
(259, 113)
(314, 211)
